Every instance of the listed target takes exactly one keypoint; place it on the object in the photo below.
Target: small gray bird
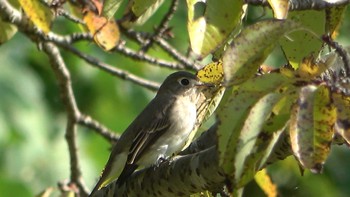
(162, 129)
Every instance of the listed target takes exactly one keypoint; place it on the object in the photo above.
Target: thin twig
(163, 26)
(89, 122)
(113, 70)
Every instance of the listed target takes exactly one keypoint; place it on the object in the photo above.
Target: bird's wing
(146, 137)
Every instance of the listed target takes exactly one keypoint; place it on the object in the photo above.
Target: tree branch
(302, 4)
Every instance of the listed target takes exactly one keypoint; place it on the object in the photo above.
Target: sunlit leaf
(38, 13)
(210, 23)
(212, 73)
(251, 47)
(110, 7)
(342, 125)
(246, 151)
(105, 32)
(300, 44)
(280, 8)
(264, 181)
(309, 68)
(312, 126)
(233, 113)
(139, 11)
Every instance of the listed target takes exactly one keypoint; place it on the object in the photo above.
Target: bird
(161, 130)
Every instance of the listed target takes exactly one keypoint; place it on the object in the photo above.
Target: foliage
(261, 103)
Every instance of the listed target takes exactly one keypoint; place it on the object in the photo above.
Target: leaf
(38, 13)
(6, 31)
(342, 125)
(246, 153)
(250, 48)
(211, 23)
(264, 181)
(334, 16)
(139, 11)
(110, 7)
(280, 8)
(309, 68)
(105, 32)
(299, 44)
(212, 73)
(210, 97)
(233, 113)
(311, 126)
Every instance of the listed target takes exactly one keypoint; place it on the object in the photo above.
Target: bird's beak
(203, 84)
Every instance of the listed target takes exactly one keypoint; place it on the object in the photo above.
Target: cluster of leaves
(306, 100)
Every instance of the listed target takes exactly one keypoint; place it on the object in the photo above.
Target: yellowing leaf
(309, 68)
(105, 32)
(264, 181)
(210, 23)
(212, 73)
(342, 124)
(280, 8)
(312, 126)
(38, 13)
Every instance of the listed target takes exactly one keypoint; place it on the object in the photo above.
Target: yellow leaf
(212, 73)
(38, 13)
(105, 32)
(265, 183)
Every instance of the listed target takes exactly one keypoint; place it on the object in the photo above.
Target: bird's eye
(184, 82)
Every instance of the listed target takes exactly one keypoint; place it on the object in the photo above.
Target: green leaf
(311, 126)
(300, 44)
(140, 11)
(334, 17)
(211, 23)
(233, 113)
(6, 31)
(110, 7)
(248, 141)
(251, 47)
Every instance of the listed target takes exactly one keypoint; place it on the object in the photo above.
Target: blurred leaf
(210, 23)
(334, 17)
(46, 193)
(263, 179)
(342, 125)
(110, 7)
(38, 13)
(6, 31)
(280, 8)
(139, 11)
(105, 32)
(311, 126)
(250, 48)
(300, 44)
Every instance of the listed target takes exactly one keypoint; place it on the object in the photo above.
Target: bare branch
(63, 78)
(113, 70)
